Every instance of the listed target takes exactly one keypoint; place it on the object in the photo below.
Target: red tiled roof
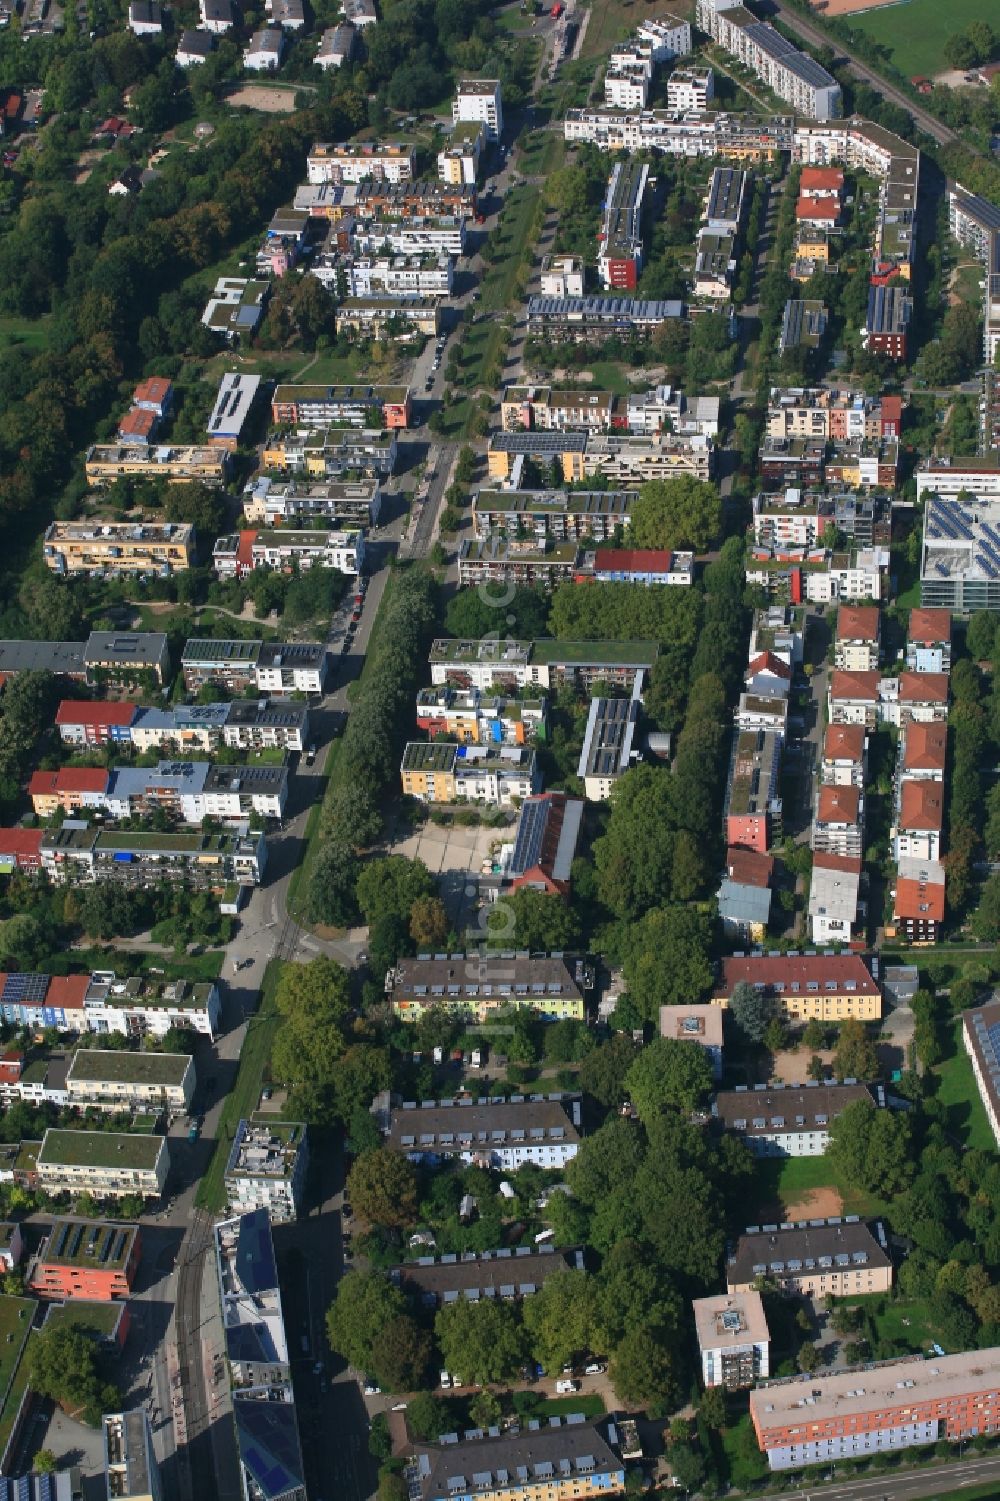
(844, 742)
(67, 991)
(892, 411)
(137, 423)
(766, 661)
(821, 179)
(796, 972)
(69, 779)
(838, 805)
(156, 388)
(857, 623)
(921, 806)
(817, 208)
(748, 868)
(921, 900)
(923, 687)
(83, 711)
(850, 686)
(849, 864)
(21, 842)
(927, 627)
(648, 559)
(925, 746)
(244, 552)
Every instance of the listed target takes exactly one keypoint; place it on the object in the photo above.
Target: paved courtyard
(457, 856)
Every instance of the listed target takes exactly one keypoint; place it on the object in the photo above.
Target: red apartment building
(81, 722)
(89, 1259)
(20, 849)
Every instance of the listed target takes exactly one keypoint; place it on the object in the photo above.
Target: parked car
(594, 1369)
(563, 1388)
(371, 1388)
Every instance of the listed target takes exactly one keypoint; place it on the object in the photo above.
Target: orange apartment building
(877, 1409)
(90, 1259)
(71, 788)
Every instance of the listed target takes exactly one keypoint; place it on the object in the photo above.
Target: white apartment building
(496, 1133)
(396, 276)
(733, 1339)
(458, 161)
(116, 1079)
(104, 1163)
(267, 1168)
(562, 276)
(292, 667)
(793, 75)
(442, 234)
(354, 161)
(690, 90)
(833, 898)
(627, 87)
(668, 36)
(778, 1120)
(480, 99)
(269, 501)
(860, 577)
(138, 1007)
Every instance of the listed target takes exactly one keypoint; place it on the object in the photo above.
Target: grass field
(243, 1097)
(26, 333)
(958, 1093)
(915, 31)
(778, 1181)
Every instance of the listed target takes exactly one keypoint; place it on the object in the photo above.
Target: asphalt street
(934, 1481)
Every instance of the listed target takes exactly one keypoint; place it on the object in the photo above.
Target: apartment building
(745, 895)
(887, 322)
(258, 1360)
(562, 276)
(270, 502)
(116, 1079)
(735, 137)
(793, 75)
(920, 697)
(834, 897)
(842, 1257)
(289, 550)
(825, 987)
(436, 772)
(714, 265)
(733, 1340)
(779, 1121)
(845, 751)
(458, 161)
(356, 161)
(131, 1470)
(331, 453)
(477, 986)
(919, 825)
(359, 406)
(212, 861)
(118, 547)
(839, 821)
(702, 1026)
(505, 1275)
(627, 78)
(397, 316)
(566, 1459)
(267, 1168)
(690, 90)
(545, 409)
(91, 1259)
(981, 1035)
(267, 724)
(918, 900)
(494, 1133)
(139, 1007)
(479, 99)
(392, 276)
(506, 665)
(468, 716)
(878, 1409)
(853, 698)
(125, 657)
(506, 560)
(185, 790)
(960, 562)
(647, 566)
(928, 641)
(579, 320)
(609, 748)
(975, 223)
(621, 243)
(270, 667)
(106, 462)
(752, 802)
(561, 515)
(544, 847)
(234, 406)
(104, 1163)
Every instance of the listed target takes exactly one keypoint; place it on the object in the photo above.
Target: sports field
(915, 31)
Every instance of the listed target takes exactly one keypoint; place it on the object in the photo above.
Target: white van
(564, 1387)
(445, 1380)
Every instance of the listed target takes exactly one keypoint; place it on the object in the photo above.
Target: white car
(445, 1380)
(594, 1369)
(564, 1387)
(371, 1389)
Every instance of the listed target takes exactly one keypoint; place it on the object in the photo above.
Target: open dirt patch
(815, 1204)
(272, 101)
(849, 7)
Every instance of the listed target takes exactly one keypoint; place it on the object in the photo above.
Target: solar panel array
(22, 988)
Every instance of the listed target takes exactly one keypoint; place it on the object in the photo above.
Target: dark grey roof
(291, 654)
(465, 1125)
(492, 1274)
(539, 442)
(478, 975)
(248, 779)
(269, 711)
(762, 1112)
(554, 1453)
(197, 43)
(66, 657)
(144, 648)
(267, 1435)
(805, 1248)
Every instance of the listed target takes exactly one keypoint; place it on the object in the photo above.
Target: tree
(814, 1034)
(429, 924)
(872, 1148)
(986, 918)
(45, 1463)
(816, 1068)
(426, 1417)
(65, 1365)
(855, 1057)
(401, 1355)
(530, 919)
(677, 513)
(667, 959)
(603, 1072)
(559, 1318)
(391, 1487)
(319, 989)
(644, 1371)
(366, 1303)
(669, 1073)
(750, 1010)
(471, 615)
(390, 885)
(382, 1186)
(358, 1076)
(331, 887)
(480, 1342)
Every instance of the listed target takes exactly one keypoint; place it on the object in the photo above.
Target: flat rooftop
(730, 1321)
(97, 1244)
(96, 1065)
(107, 1149)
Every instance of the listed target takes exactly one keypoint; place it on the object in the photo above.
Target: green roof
(175, 843)
(290, 1132)
(100, 1149)
(89, 1243)
(607, 653)
(101, 1317)
(99, 1064)
(16, 1315)
(422, 755)
(27, 1156)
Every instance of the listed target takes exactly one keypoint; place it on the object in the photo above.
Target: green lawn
(904, 1322)
(26, 333)
(243, 1098)
(512, 236)
(958, 1093)
(194, 967)
(915, 31)
(779, 1183)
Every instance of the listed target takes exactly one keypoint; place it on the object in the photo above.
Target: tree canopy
(677, 513)
(382, 1186)
(669, 1074)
